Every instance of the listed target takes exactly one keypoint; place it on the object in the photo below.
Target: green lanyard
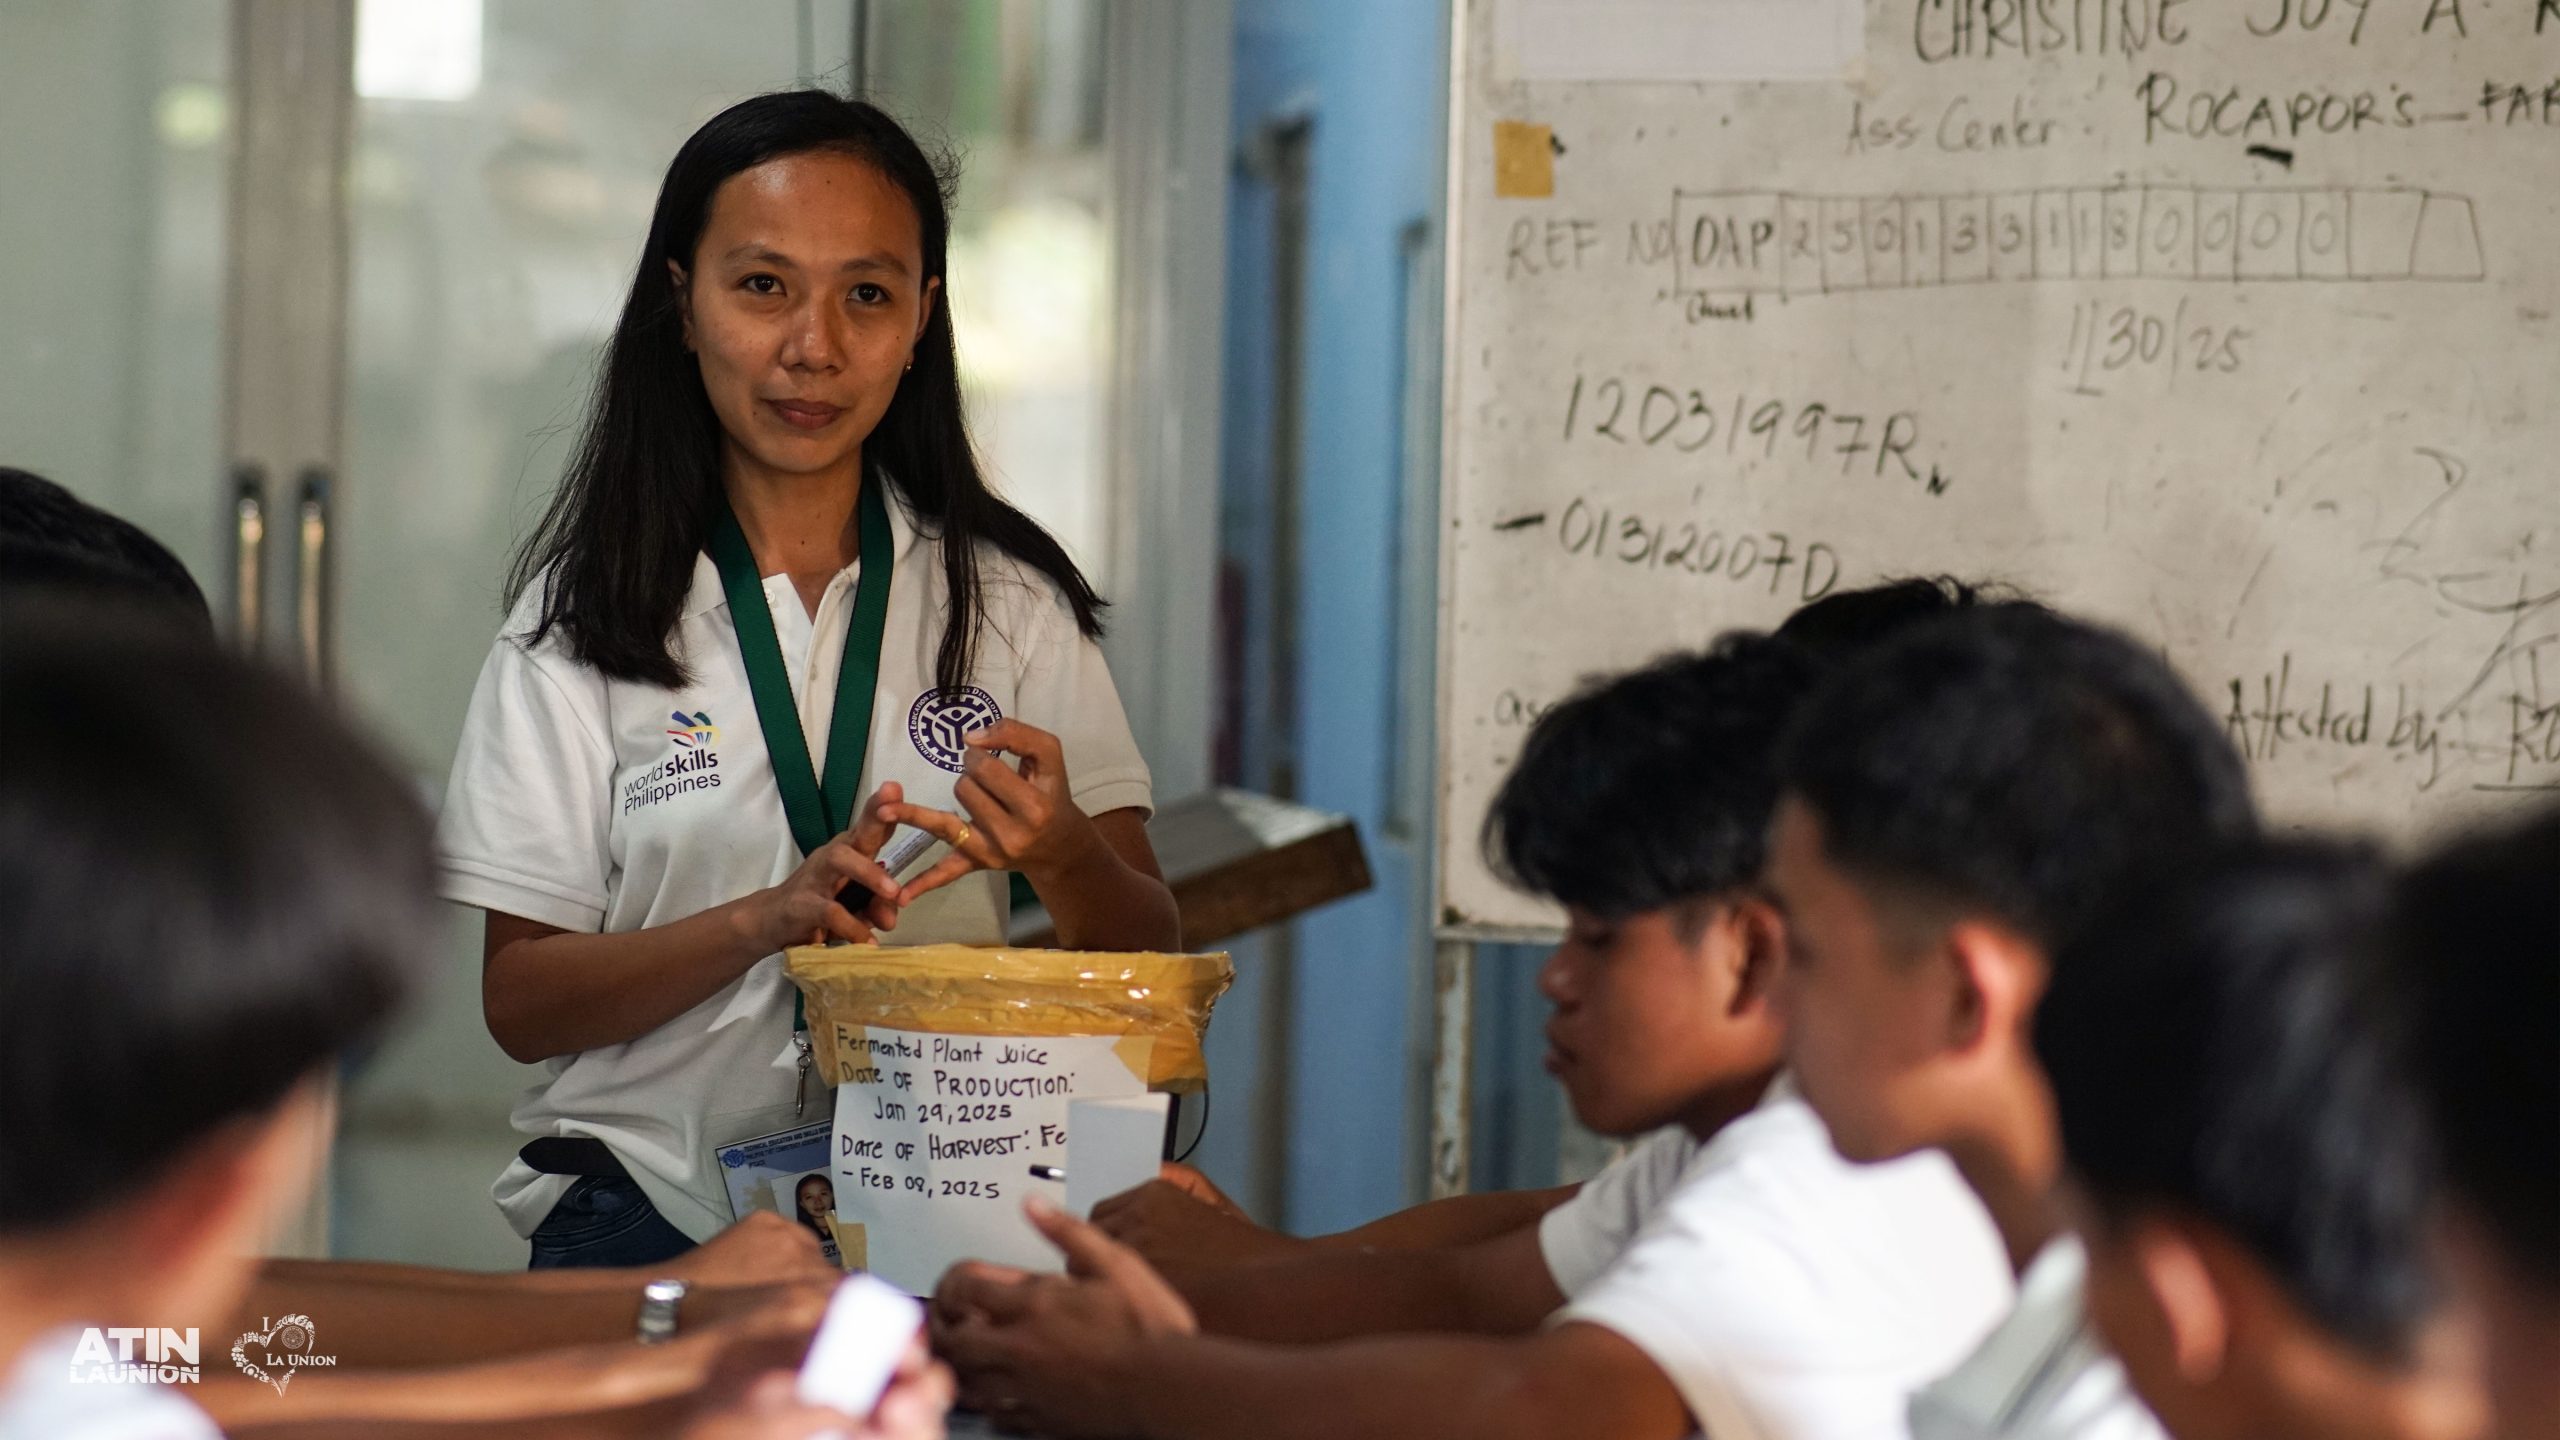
(817, 812)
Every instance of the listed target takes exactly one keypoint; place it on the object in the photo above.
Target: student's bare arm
(375, 1325)
(416, 1315)
(1111, 1349)
(1493, 1287)
(579, 1389)
(761, 1251)
(1458, 1220)
(1183, 1223)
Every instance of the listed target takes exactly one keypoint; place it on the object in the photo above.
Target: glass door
(115, 161)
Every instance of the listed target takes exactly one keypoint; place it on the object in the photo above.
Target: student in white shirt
(207, 895)
(2247, 1166)
(1957, 805)
(1183, 1224)
(772, 580)
(1733, 1275)
(211, 894)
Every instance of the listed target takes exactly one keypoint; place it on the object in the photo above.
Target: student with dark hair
(1959, 806)
(209, 894)
(1845, 622)
(2478, 965)
(772, 580)
(414, 1344)
(2248, 1167)
(51, 540)
(1183, 1223)
(1732, 1275)
(174, 992)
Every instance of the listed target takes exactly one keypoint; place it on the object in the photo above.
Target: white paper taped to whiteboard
(1678, 40)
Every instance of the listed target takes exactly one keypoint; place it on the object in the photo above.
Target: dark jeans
(601, 1223)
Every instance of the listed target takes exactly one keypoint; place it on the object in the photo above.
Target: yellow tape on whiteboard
(1159, 1004)
(1524, 160)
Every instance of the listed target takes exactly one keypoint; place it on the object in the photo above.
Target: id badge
(776, 1160)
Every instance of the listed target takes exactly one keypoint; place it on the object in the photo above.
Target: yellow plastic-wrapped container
(997, 991)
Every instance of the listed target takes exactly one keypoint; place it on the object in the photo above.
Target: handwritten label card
(936, 1136)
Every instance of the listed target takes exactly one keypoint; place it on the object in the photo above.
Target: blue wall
(1371, 77)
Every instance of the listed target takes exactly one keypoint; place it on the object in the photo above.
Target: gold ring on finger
(960, 839)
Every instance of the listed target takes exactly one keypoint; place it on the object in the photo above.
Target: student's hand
(913, 1406)
(1057, 1354)
(770, 1409)
(1199, 1187)
(1182, 1222)
(918, 1400)
(763, 1249)
(1023, 820)
(804, 909)
(782, 1307)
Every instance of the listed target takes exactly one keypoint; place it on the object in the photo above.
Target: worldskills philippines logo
(693, 765)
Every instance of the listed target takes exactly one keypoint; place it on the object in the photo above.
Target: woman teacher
(773, 573)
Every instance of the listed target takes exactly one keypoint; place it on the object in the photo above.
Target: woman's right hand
(805, 909)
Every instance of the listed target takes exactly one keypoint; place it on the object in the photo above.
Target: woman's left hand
(1023, 820)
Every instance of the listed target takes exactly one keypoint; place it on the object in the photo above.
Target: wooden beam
(1238, 861)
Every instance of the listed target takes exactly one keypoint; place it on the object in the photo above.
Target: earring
(911, 364)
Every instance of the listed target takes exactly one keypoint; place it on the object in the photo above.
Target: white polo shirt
(608, 806)
(1786, 1293)
(2043, 1375)
(40, 1401)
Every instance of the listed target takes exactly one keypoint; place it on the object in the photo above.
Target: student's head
(52, 541)
(2478, 965)
(1954, 806)
(793, 272)
(1845, 623)
(1640, 805)
(816, 1195)
(209, 893)
(2246, 1159)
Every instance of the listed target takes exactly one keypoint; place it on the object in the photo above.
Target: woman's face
(817, 1198)
(803, 306)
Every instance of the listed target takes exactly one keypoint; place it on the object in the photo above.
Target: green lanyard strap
(817, 813)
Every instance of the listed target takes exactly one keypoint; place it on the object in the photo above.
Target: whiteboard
(2226, 321)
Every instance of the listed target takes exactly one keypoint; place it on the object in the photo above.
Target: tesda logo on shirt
(694, 766)
(942, 719)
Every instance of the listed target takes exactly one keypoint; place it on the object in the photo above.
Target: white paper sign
(1113, 1146)
(1678, 40)
(936, 1136)
(866, 1332)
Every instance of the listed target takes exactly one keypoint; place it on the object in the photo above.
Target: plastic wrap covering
(968, 990)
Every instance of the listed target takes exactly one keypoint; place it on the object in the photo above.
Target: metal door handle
(311, 577)
(248, 552)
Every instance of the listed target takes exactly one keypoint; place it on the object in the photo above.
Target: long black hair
(615, 552)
